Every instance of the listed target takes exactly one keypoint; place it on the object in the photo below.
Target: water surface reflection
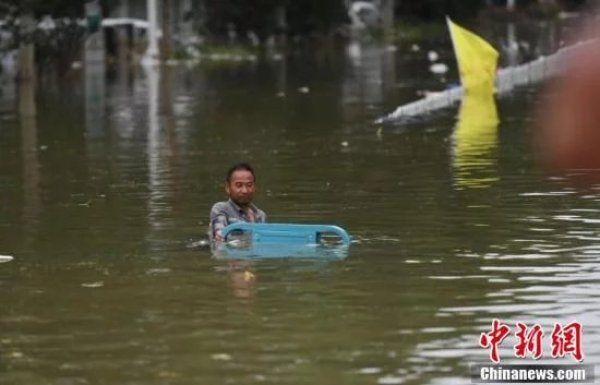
(103, 193)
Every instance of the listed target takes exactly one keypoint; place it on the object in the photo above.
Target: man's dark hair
(237, 167)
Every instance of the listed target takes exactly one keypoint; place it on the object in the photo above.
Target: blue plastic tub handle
(290, 233)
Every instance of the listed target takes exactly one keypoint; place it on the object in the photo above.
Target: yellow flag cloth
(476, 142)
(476, 59)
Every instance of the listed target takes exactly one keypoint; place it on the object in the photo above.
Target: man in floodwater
(240, 187)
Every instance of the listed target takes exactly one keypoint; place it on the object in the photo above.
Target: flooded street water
(106, 194)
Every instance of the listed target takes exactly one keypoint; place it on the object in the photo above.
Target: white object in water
(363, 14)
(354, 50)
(92, 285)
(8, 62)
(304, 90)
(438, 68)
(254, 40)
(221, 357)
(432, 56)
(5, 258)
(47, 23)
(415, 48)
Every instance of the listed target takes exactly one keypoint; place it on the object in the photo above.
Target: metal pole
(167, 33)
(387, 9)
(152, 53)
(26, 61)
(94, 50)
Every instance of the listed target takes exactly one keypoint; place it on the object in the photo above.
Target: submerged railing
(506, 80)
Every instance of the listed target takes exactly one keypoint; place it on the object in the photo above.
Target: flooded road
(106, 193)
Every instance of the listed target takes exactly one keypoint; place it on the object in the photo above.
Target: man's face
(241, 187)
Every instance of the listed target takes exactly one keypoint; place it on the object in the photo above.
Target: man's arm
(261, 217)
(218, 221)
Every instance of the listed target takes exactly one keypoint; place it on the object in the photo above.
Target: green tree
(438, 9)
(315, 16)
(55, 8)
(257, 16)
(57, 46)
(303, 17)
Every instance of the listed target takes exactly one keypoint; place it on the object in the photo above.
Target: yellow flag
(476, 142)
(476, 59)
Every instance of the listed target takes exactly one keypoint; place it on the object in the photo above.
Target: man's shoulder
(261, 216)
(220, 207)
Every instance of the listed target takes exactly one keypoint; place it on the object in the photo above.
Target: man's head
(240, 184)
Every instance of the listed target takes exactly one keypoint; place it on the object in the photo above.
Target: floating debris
(165, 374)
(415, 48)
(221, 357)
(93, 284)
(304, 90)
(372, 370)
(438, 68)
(390, 380)
(432, 56)
(249, 276)
(344, 143)
(202, 243)
(5, 258)
(158, 270)
(16, 355)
